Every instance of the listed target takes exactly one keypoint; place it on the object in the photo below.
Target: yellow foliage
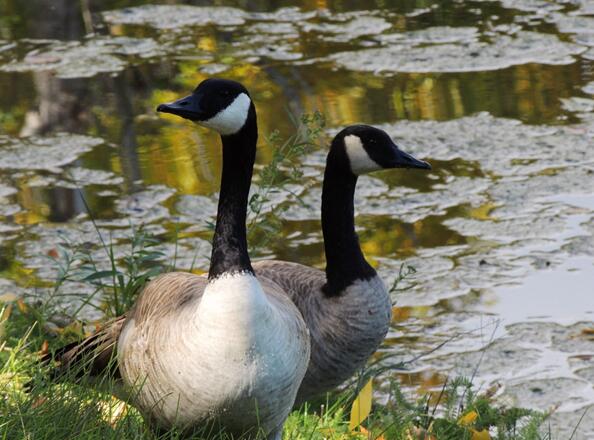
(369, 435)
(22, 306)
(361, 406)
(468, 418)
(480, 435)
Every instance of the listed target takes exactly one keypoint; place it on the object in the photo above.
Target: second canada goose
(231, 348)
(347, 308)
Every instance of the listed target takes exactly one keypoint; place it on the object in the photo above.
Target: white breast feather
(235, 348)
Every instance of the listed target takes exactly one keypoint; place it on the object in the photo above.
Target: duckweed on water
(57, 151)
(503, 51)
(82, 60)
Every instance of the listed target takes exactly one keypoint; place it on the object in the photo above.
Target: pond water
(497, 95)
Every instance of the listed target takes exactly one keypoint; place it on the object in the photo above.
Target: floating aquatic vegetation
(541, 7)
(146, 206)
(5, 47)
(6, 190)
(519, 149)
(578, 105)
(502, 52)
(571, 24)
(172, 17)
(562, 392)
(76, 177)
(57, 151)
(76, 59)
(272, 46)
(412, 206)
(214, 68)
(585, 39)
(568, 423)
(582, 7)
(9, 231)
(359, 26)
(84, 176)
(287, 14)
(9, 209)
(432, 35)
(196, 209)
(288, 30)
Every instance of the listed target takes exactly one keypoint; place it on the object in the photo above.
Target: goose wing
(301, 283)
(92, 356)
(96, 355)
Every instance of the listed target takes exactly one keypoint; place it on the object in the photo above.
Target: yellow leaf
(480, 435)
(468, 418)
(21, 305)
(369, 435)
(5, 313)
(361, 406)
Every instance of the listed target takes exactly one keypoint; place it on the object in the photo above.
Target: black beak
(405, 160)
(187, 107)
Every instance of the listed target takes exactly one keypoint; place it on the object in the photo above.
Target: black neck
(229, 244)
(345, 262)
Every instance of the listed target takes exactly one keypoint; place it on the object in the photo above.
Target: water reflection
(477, 224)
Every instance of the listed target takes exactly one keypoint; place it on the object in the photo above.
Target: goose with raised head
(231, 348)
(347, 308)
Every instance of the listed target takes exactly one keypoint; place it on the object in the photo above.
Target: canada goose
(229, 348)
(347, 308)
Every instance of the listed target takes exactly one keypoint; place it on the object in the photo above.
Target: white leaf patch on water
(502, 52)
(44, 153)
(355, 28)
(76, 59)
(433, 35)
(172, 17)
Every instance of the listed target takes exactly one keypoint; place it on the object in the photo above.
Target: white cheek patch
(232, 118)
(360, 161)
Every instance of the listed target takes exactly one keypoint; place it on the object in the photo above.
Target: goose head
(367, 149)
(219, 104)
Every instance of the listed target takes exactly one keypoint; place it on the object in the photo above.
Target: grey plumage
(345, 330)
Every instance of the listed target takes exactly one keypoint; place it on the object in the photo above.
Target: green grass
(67, 411)
(34, 407)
